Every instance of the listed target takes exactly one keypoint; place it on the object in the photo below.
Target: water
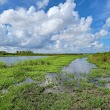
(71, 74)
(10, 60)
(101, 82)
(26, 81)
(49, 79)
(108, 85)
(61, 82)
(3, 91)
(79, 68)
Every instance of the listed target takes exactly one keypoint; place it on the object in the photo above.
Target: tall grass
(2, 65)
(101, 59)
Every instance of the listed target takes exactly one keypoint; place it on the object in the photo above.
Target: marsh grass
(102, 60)
(35, 69)
(2, 65)
(31, 96)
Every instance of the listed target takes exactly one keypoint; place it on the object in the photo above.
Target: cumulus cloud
(102, 33)
(107, 24)
(60, 29)
(42, 3)
(2, 2)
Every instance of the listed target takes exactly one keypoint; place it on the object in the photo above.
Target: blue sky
(47, 26)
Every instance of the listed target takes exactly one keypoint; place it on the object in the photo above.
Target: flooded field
(57, 83)
(71, 74)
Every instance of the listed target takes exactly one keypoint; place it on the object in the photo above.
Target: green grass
(30, 96)
(2, 65)
(96, 73)
(40, 101)
(102, 60)
(35, 69)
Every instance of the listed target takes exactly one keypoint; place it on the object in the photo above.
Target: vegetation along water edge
(37, 84)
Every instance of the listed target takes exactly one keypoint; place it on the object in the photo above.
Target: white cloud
(96, 44)
(101, 33)
(2, 2)
(107, 24)
(60, 29)
(42, 3)
(31, 10)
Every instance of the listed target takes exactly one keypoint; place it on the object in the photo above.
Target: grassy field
(17, 94)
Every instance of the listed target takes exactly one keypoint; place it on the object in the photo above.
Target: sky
(55, 26)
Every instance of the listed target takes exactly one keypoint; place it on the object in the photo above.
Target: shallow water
(26, 81)
(70, 74)
(50, 78)
(104, 79)
(61, 82)
(16, 59)
(3, 91)
(105, 82)
(108, 85)
(79, 67)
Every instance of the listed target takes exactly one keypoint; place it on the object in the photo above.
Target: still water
(79, 67)
(10, 60)
(71, 74)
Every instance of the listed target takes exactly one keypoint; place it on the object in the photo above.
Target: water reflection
(26, 81)
(10, 60)
(70, 76)
(64, 81)
(79, 67)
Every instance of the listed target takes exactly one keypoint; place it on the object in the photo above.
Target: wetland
(58, 82)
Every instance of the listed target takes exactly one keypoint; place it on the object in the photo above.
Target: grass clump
(102, 60)
(2, 65)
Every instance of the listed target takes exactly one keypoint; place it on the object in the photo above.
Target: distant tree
(2, 53)
(24, 52)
